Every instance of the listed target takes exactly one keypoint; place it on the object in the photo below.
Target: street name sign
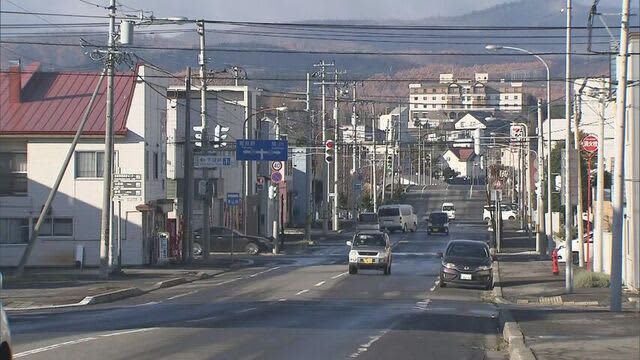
(127, 187)
(262, 150)
(210, 161)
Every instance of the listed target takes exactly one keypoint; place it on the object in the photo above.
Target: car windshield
(448, 208)
(368, 218)
(369, 240)
(467, 250)
(389, 212)
(438, 218)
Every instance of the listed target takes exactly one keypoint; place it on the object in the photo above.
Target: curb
(111, 296)
(511, 332)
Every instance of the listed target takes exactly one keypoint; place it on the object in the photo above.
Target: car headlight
(449, 265)
(353, 255)
(484, 267)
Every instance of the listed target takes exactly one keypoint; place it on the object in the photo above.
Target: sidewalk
(42, 288)
(557, 325)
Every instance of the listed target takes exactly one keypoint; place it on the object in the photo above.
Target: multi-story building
(462, 95)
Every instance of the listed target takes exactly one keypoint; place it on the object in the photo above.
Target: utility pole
(598, 240)
(374, 183)
(384, 167)
(393, 161)
(206, 203)
(618, 181)
(309, 152)
(187, 186)
(419, 153)
(355, 142)
(335, 221)
(325, 194)
(568, 209)
(576, 143)
(107, 165)
(541, 245)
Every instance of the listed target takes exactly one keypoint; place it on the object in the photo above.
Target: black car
(438, 223)
(220, 239)
(467, 262)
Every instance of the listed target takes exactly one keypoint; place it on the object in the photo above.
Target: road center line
(265, 271)
(227, 282)
(320, 283)
(127, 332)
(337, 276)
(302, 291)
(203, 319)
(246, 310)
(52, 347)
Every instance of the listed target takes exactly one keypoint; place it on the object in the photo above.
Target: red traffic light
(329, 144)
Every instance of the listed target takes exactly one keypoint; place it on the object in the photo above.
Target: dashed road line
(302, 291)
(182, 295)
(246, 310)
(265, 271)
(422, 305)
(435, 285)
(125, 332)
(320, 283)
(339, 275)
(281, 300)
(372, 339)
(203, 319)
(227, 282)
(149, 303)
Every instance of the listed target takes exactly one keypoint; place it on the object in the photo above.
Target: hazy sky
(272, 10)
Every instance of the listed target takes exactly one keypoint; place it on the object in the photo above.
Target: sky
(272, 10)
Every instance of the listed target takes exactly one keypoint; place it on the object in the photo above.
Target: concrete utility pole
(384, 164)
(309, 152)
(206, 203)
(599, 220)
(576, 143)
(568, 212)
(107, 165)
(374, 164)
(540, 243)
(325, 194)
(187, 186)
(618, 180)
(353, 160)
(335, 221)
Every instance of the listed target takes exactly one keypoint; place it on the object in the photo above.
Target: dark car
(221, 239)
(467, 262)
(438, 223)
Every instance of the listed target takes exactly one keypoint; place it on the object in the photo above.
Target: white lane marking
(265, 271)
(372, 339)
(281, 300)
(302, 291)
(435, 285)
(337, 276)
(203, 319)
(150, 303)
(52, 347)
(127, 332)
(77, 341)
(422, 305)
(227, 282)
(181, 295)
(320, 283)
(246, 310)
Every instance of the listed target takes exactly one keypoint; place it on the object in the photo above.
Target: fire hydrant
(554, 262)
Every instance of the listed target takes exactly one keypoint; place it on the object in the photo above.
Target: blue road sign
(261, 150)
(233, 199)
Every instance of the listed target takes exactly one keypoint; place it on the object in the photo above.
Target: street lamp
(493, 47)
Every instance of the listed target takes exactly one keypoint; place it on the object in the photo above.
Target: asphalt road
(292, 307)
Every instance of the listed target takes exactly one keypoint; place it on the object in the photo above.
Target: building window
(433, 106)
(56, 226)
(424, 106)
(14, 231)
(415, 98)
(155, 165)
(424, 98)
(506, 97)
(515, 97)
(13, 173)
(433, 90)
(433, 98)
(89, 164)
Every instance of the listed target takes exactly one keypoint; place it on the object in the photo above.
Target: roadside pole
(336, 134)
(541, 245)
(187, 186)
(598, 231)
(374, 164)
(568, 211)
(576, 144)
(618, 180)
(384, 164)
(309, 152)
(206, 202)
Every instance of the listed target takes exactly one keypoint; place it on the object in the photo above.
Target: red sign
(329, 144)
(590, 143)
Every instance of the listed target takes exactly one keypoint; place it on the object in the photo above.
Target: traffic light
(198, 136)
(219, 135)
(329, 149)
(389, 162)
(273, 192)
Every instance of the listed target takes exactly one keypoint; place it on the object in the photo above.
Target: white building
(460, 95)
(41, 112)
(462, 161)
(396, 124)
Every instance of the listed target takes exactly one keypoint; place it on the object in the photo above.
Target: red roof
(52, 103)
(464, 154)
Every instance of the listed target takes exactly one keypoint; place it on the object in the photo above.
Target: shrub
(589, 279)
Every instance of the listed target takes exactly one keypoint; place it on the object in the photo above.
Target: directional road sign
(209, 161)
(261, 150)
(233, 199)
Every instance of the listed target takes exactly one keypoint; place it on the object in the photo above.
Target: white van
(398, 217)
(449, 209)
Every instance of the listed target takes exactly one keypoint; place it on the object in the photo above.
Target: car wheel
(353, 270)
(386, 270)
(197, 249)
(487, 219)
(252, 249)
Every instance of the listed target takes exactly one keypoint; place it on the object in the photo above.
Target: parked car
(368, 221)
(221, 239)
(438, 223)
(449, 209)
(5, 334)
(398, 217)
(562, 249)
(507, 212)
(467, 262)
(370, 250)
